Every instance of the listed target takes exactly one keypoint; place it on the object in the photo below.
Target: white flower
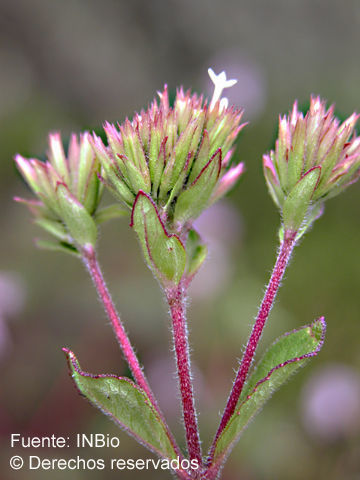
(220, 83)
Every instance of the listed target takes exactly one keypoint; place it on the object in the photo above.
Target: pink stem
(284, 255)
(175, 299)
(90, 260)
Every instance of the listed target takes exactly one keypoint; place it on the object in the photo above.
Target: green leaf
(117, 187)
(164, 253)
(57, 247)
(295, 163)
(196, 253)
(272, 179)
(176, 163)
(202, 157)
(113, 172)
(137, 179)
(126, 404)
(298, 201)
(78, 221)
(110, 212)
(287, 355)
(157, 159)
(92, 194)
(312, 214)
(196, 197)
(57, 156)
(54, 227)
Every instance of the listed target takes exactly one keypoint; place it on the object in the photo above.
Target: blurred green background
(70, 65)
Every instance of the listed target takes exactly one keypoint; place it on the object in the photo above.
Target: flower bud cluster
(315, 158)
(179, 156)
(169, 163)
(68, 191)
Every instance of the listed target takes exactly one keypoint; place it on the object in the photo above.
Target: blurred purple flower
(331, 403)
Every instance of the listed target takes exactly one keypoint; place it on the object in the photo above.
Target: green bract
(164, 253)
(316, 141)
(169, 259)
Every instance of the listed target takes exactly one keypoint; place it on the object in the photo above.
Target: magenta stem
(175, 299)
(90, 260)
(284, 255)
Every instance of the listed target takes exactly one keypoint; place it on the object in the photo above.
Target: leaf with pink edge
(124, 403)
(164, 253)
(192, 201)
(285, 357)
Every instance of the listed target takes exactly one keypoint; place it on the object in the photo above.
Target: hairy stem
(284, 255)
(175, 299)
(92, 265)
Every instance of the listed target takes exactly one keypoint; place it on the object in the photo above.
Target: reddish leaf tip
(139, 194)
(62, 184)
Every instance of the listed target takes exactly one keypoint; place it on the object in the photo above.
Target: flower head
(315, 158)
(68, 191)
(179, 156)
